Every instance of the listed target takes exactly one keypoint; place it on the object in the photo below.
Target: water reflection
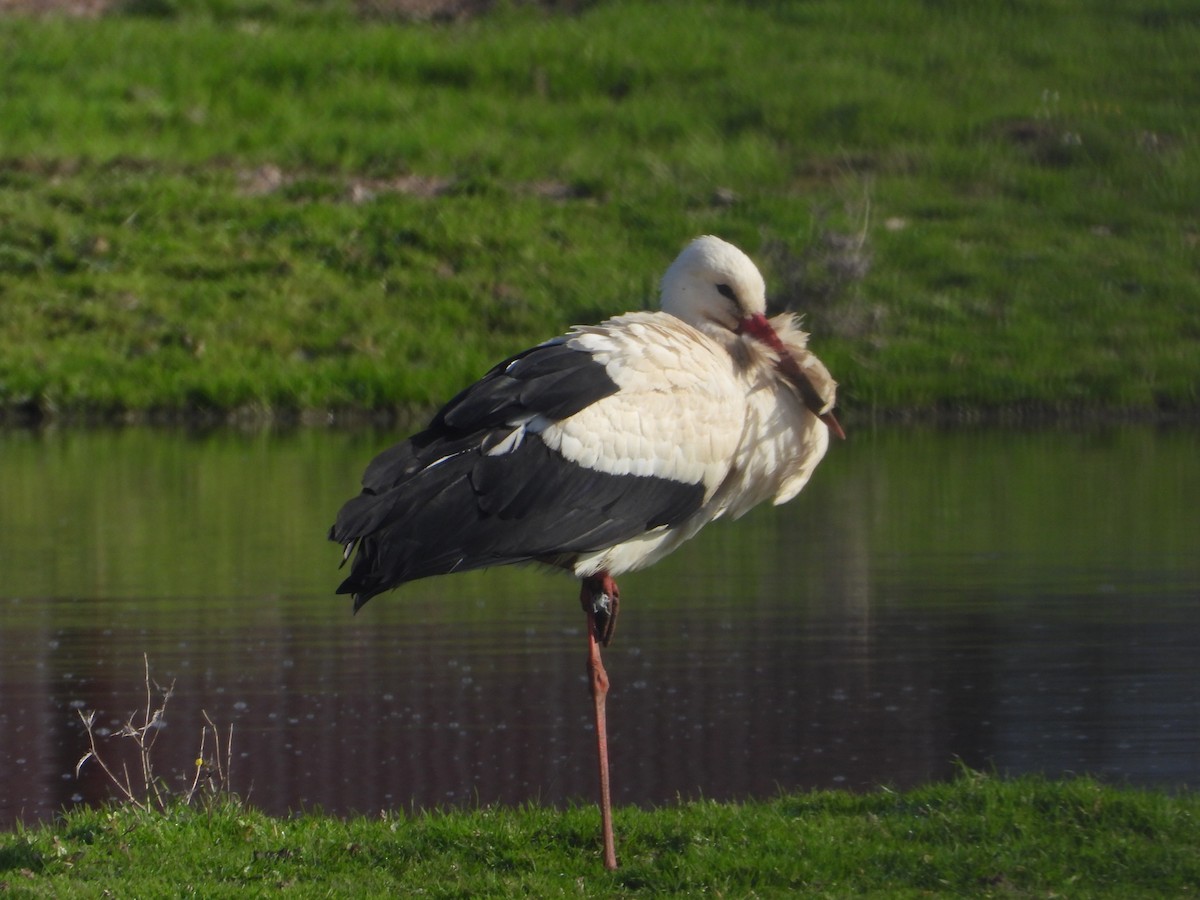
(1023, 600)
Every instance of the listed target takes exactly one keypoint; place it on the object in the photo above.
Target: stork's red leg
(599, 599)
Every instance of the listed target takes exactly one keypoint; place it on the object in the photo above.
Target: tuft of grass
(223, 205)
(976, 836)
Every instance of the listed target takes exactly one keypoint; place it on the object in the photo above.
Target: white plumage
(689, 410)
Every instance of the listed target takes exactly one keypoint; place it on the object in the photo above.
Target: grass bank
(223, 205)
(976, 836)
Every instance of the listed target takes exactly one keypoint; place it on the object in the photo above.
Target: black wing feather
(439, 503)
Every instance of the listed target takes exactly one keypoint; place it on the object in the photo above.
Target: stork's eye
(727, 292)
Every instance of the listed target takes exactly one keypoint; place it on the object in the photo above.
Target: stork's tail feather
(365, 580)
(359, 592)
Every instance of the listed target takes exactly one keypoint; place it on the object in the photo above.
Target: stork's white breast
(679, 412)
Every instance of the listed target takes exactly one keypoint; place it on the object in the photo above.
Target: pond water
(1023, 601)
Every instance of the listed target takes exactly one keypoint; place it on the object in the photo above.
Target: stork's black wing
(465, 493)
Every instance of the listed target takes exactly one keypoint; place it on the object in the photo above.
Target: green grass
(976, 836)
(202, 208)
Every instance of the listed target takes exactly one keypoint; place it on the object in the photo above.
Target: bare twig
(124, 787)
(152, 792)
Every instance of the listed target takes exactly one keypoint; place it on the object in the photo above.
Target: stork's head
(713, 284)
(717, 289)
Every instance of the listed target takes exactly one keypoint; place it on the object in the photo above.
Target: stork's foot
(601, 600)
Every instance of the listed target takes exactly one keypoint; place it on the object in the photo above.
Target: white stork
(602, 450)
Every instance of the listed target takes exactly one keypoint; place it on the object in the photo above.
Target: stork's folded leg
(601, 600)
(600, 607)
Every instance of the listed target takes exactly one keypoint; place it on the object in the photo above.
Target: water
(1017, 600)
